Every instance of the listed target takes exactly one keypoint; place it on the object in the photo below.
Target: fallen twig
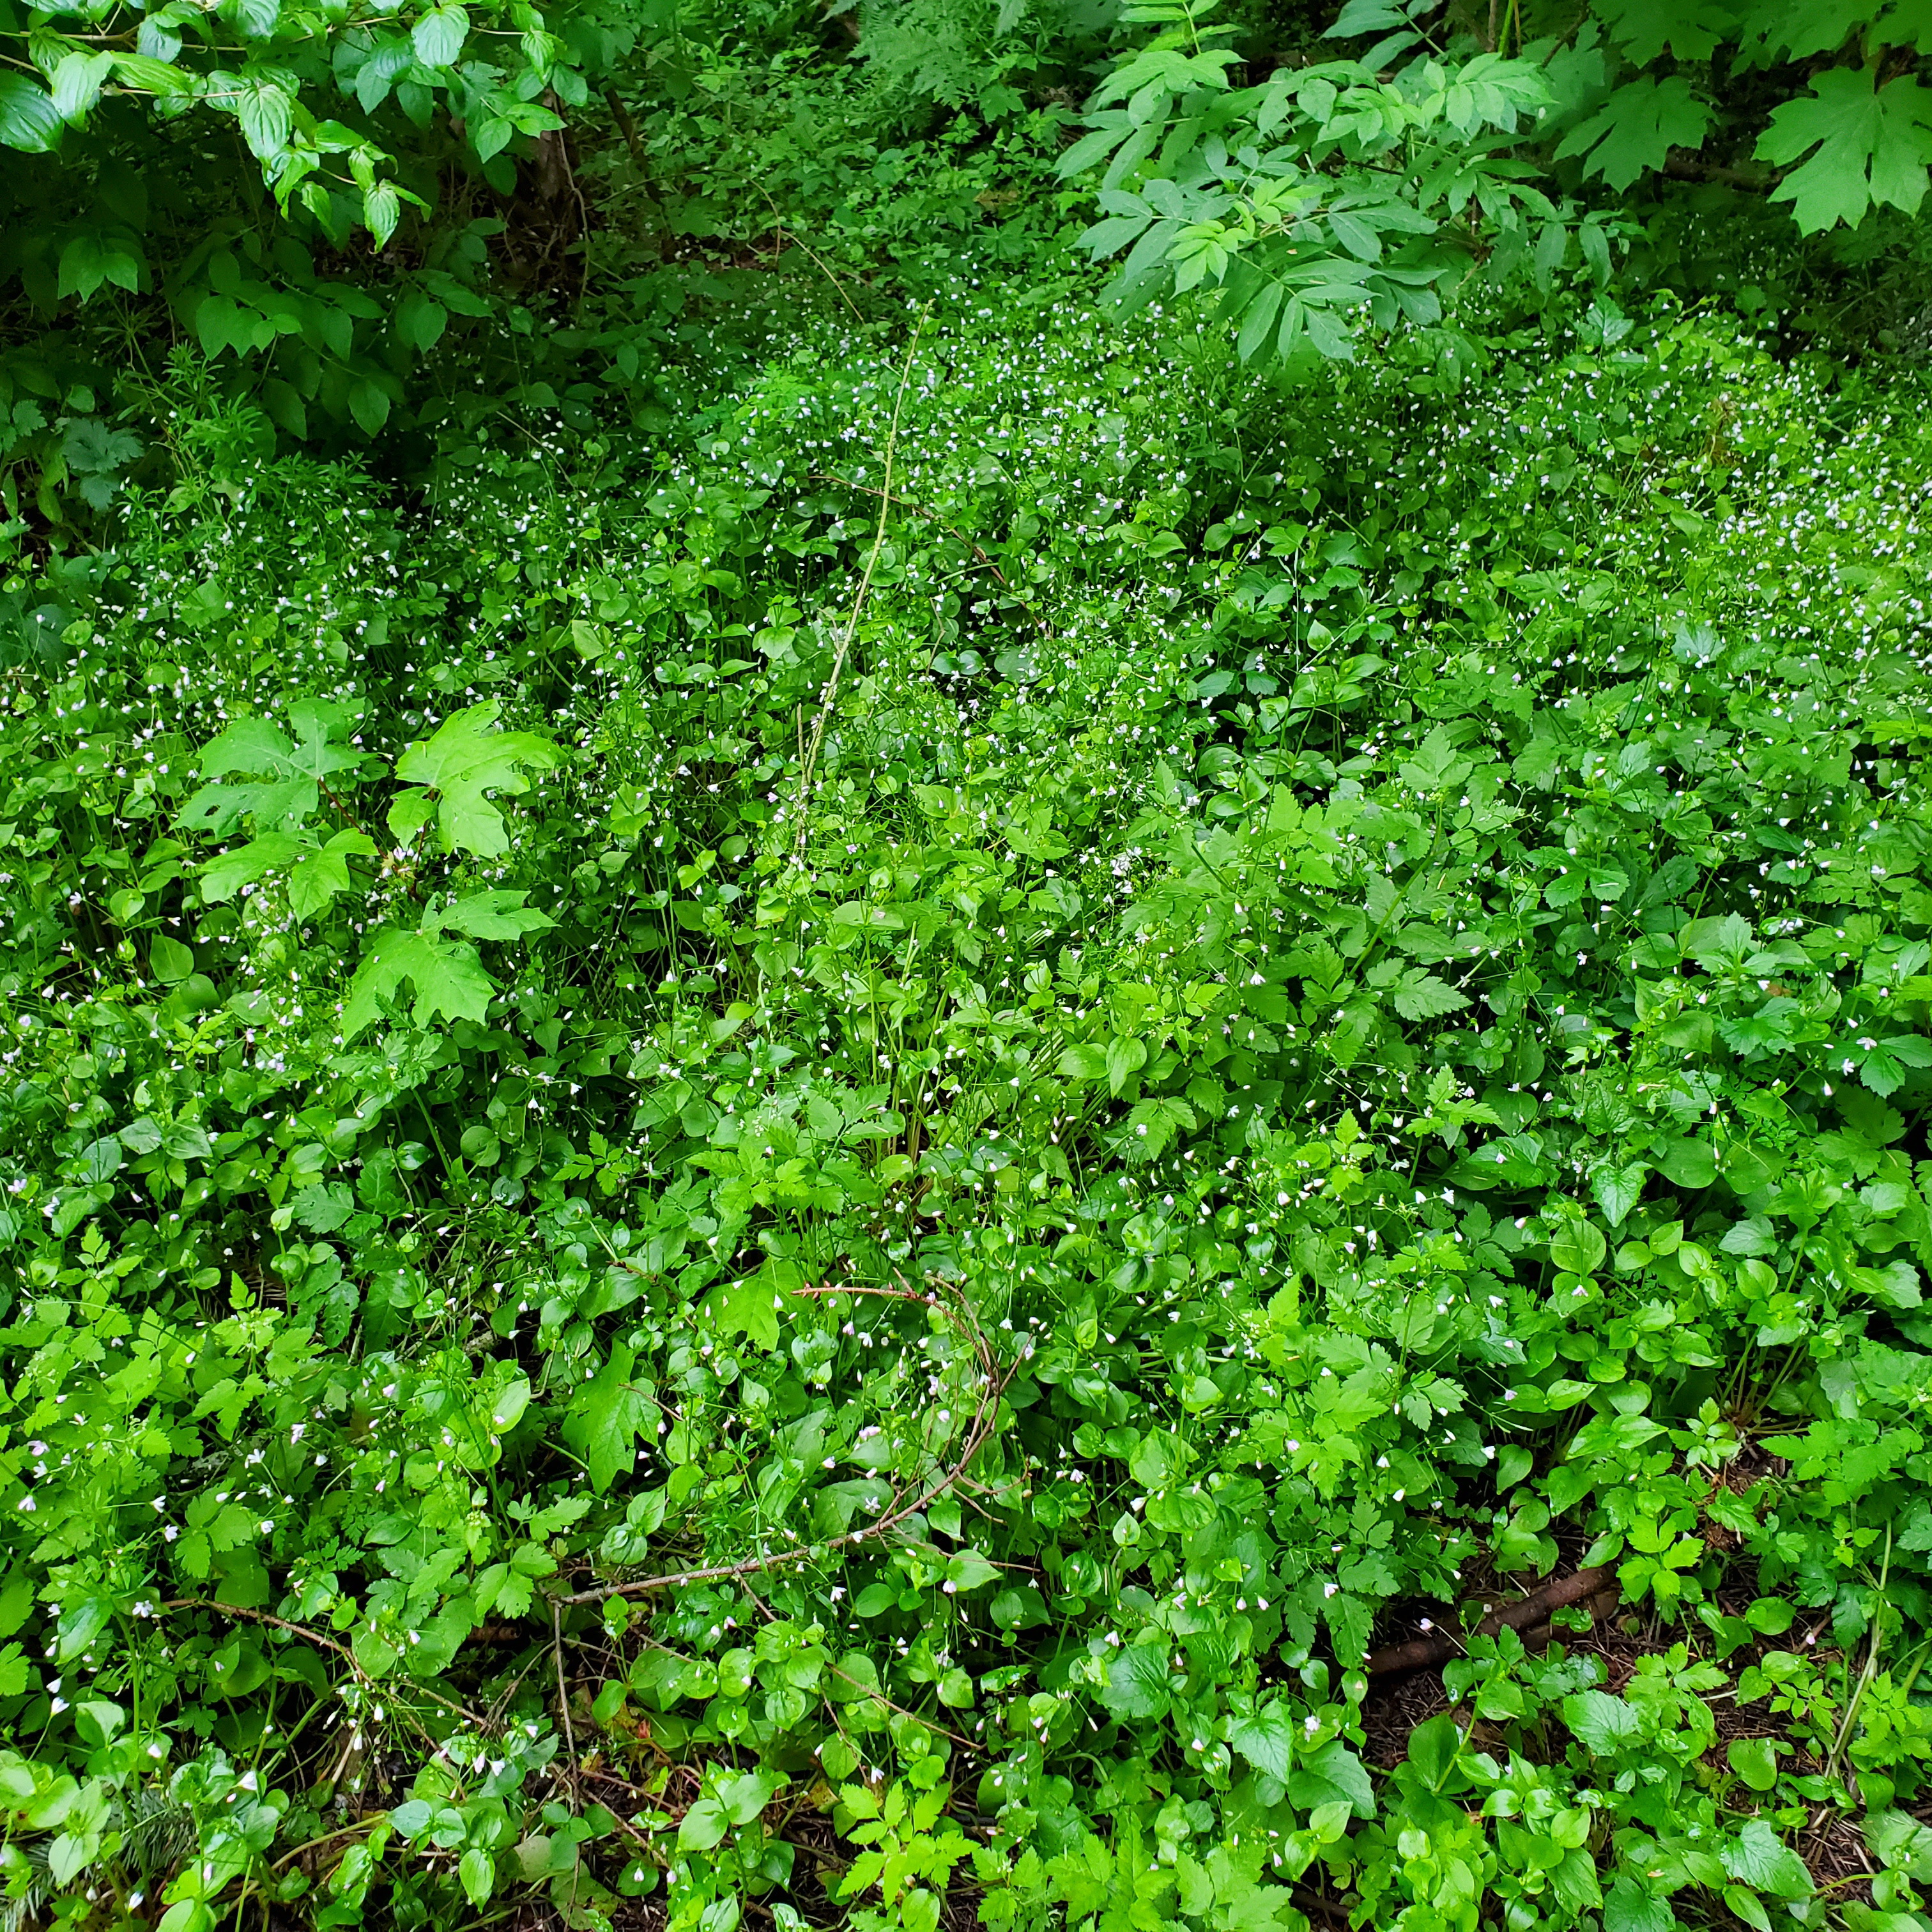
(1419, 1653)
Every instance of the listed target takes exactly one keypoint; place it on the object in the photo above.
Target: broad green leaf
(1628, 1907)
(289, 775)
(1433, 1748)
(1136, 1690)
(439, 35)
(1618, 1189)
(477, 1870)
(170, 962)
(1637, 126)
(1867, 145)
(1125, 1056)
(1755, 1760)
(704, 1826)
(29, 120)
(742, 1798)
(605, 1416)
(491, 915)
(77, 82)
(319, 876)
(467, 758)
(1758, 1857)
(1334, 1774)
(1601, 1724)
(1693, 30)
(223, 876)
(1266, 1739)
(266, 114)
(449, 981)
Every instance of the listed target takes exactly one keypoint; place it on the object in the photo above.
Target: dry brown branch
(1420, 1652)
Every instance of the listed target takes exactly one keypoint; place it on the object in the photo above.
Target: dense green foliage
(837, 1091)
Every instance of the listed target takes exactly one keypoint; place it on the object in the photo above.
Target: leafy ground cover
(639, 1294)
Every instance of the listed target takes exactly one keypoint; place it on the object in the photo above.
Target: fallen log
(1419, 1653)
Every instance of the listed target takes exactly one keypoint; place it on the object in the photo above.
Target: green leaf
(1618, 1189)
(1333, 1774)
(466, 759)
(319, 876)
(1628, 1907)
(1637, 128)
(1757, 1857)
(88, 260)
(266, 114)
(1421, 996)
(1755, 1760)
(477, 1870)
(290, 774)
(29, 120)
(449, 980)
(1601, 1724)
(77, 82)
(1086, 1062)
(704, 1826)
(369, 404)
(438, 36)
(491, 915)
(1125, 1056)
(1693, 30)
(1136, 1690)
(1434, 1748)
(1266, 1739)
(1868, 146)
(1577, 1246)
(742, 1798)
(604, 1417)
(223, 876)
(170, 962)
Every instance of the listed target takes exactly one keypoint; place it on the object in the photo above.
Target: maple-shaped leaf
(287, 774)
(320, 874)
(1871, 145)
(224, 875)
(1773, 30)
(449, 980)
(466, 759)
(491, 915)
(1636, 127)
(605, 1416)
(1692, 29)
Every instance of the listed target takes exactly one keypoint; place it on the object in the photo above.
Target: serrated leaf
(319, 875)
(604, 1417)
(289, 774)
(1693, 30)
(1628, 1907)
(491, 915)
(466, 759)
(1136, 1690)
(1266, 1740)
(1421, 996)
(222, 877)
(1867, 145)
(1636, 127)
(448, 980)
(1601, 1724)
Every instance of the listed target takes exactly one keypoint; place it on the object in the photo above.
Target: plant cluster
(911, 1151)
